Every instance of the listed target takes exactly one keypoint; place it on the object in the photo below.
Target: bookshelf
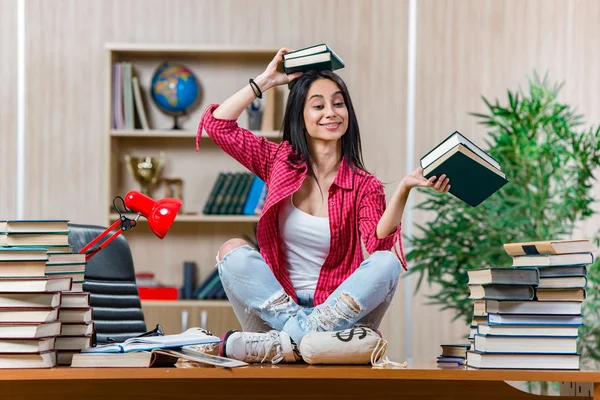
(164, 134)
(221, 71)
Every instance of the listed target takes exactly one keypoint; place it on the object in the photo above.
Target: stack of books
(237, 193)
(61, 264)
(317, 57)
(474, 174)
(75, 312)
(211, 288)
(531, 313)
(453, 355)
(29, 304)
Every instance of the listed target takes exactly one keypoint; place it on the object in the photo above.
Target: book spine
(243, 195)
(213, 193)
(225, 207)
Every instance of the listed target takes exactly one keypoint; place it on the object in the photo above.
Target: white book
(525, 344)
(550, 260)
(26, 345)
(73, 343)
(527, 330)
(30, 300)
(139, 104)
(190, 337)
(128, 96)
(522, 361)
(41, 360)
(514, 319)
(452, 141)
(32, 285)
(29, 330)
(533, 307)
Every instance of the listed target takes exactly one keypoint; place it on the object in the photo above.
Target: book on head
(318, 57)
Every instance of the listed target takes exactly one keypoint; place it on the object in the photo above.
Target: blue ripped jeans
(260, 302)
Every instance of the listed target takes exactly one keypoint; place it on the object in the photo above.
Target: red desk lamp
(160, 215)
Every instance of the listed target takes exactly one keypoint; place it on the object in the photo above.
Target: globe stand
(176, 126)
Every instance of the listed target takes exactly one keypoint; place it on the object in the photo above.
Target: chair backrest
(110, 278)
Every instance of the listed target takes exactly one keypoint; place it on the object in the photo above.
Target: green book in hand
(472, 179)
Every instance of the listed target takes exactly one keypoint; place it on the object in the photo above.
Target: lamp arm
(123, 224)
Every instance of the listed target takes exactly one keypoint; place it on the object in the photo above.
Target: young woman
(310, 274)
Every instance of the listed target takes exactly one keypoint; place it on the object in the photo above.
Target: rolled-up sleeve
(253, 152)
(370, 209)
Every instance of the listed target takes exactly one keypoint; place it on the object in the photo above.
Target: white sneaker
(251, 347)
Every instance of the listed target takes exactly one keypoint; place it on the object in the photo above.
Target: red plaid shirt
(356, 203)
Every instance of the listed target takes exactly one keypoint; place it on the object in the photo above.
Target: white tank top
(304, 244)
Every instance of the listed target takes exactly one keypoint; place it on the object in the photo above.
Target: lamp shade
(160, 214)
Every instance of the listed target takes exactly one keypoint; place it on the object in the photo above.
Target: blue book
(253, 196)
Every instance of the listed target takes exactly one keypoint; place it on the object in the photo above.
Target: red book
(158, 293)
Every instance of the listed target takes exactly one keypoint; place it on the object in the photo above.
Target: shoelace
(379, 358)
(268, 343)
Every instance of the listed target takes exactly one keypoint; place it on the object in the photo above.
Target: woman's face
(325, 112)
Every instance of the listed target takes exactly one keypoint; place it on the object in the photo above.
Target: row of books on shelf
(128, 105)
(236, 193)
(45, 316)
(528, 315)
(210, 288)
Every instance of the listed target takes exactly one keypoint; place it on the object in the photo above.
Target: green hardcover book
(235, 194)
(221, 193)
(471, 178)
(241, 201)
(224, 206)
(322, 61)
(213, 193)
(318, 57)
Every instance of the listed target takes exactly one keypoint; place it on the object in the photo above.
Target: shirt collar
(344, 177)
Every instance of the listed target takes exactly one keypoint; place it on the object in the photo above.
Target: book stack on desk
(453, 355)
(539, 332)
(29, 304)
(61, 264)
(75, 311)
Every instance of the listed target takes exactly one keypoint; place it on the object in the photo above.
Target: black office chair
(110, 278)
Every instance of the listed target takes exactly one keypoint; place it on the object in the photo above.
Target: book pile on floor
(45, 312)
(238, 193)
(528, 316)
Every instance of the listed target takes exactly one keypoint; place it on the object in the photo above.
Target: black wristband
(255, 88)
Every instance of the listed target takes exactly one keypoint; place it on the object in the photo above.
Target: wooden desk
(278, 382)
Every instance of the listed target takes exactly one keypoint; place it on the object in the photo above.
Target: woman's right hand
(271, 77)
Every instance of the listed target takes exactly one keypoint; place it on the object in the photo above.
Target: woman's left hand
(416, 179)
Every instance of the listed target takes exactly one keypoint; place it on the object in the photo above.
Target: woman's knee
(388, 263)
(229, 246)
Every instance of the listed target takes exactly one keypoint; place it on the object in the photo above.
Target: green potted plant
(549, 163)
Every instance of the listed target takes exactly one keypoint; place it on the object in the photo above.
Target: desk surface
(299, 371)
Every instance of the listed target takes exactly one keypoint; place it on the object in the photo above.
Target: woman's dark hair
(293, 122)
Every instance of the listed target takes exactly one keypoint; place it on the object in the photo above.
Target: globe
(174, 90)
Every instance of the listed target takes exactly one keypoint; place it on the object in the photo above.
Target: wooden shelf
(177, 134)
(190, 50)
(187, 303)
(201, 218)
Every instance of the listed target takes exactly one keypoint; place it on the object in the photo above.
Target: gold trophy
(145, 170)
